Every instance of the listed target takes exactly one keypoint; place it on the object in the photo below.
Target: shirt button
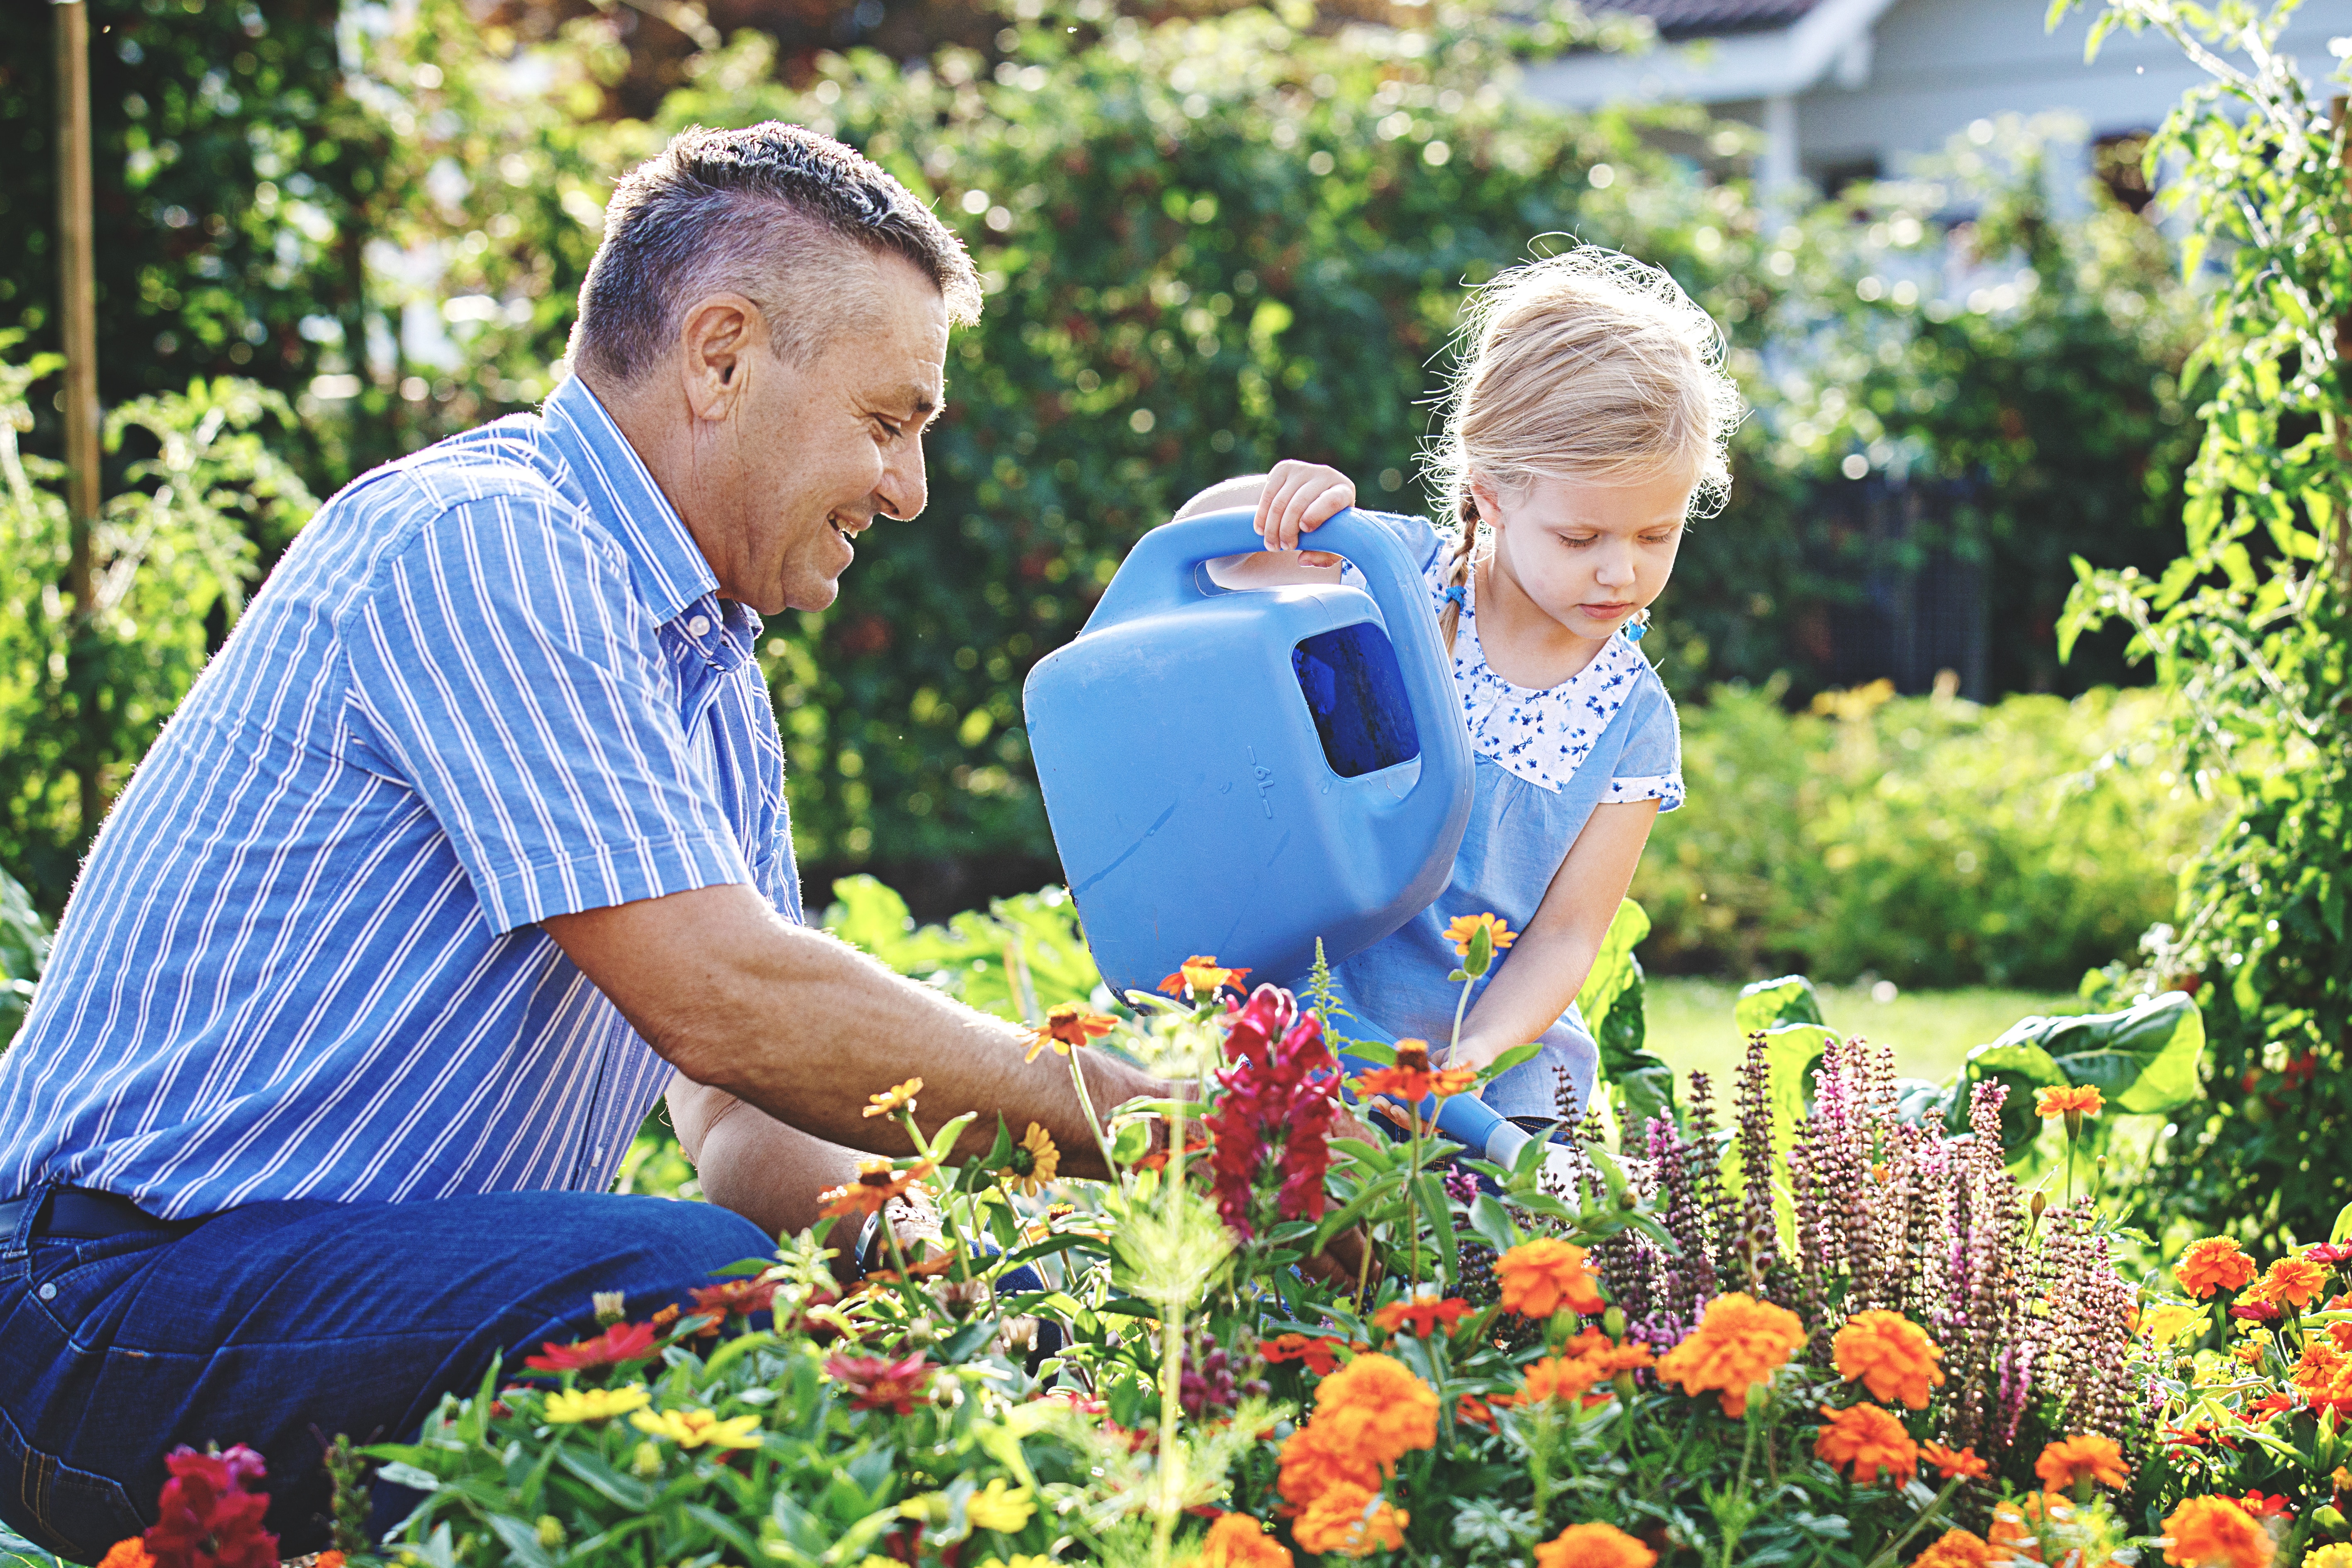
(48, 1292)
(700, 626)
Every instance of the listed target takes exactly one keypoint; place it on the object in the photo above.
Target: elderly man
(470, 841)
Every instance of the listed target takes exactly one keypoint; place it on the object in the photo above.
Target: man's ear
(720, 343)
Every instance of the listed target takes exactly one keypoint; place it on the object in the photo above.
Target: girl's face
(1590, 556)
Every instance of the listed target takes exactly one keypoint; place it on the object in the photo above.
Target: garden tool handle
(1162, 573)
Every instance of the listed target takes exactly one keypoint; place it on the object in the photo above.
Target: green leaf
(2343, 1228)
(627, 1490)
(2024, 1068)
(523, 1541)
(2143, 1061)
(1493, 1223)
(1613, 967)
(1790, 999)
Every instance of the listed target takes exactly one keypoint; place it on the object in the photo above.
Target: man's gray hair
(774, 212)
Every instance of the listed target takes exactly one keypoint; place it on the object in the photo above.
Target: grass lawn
(1689, 1022)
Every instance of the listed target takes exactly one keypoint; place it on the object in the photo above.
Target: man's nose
(904, 487)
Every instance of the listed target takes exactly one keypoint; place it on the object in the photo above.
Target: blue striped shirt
(490, 683)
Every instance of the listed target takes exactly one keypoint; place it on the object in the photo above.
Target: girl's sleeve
(1427, 548)
(1651, 765)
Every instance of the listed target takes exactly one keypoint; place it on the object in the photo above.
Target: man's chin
(810, 593)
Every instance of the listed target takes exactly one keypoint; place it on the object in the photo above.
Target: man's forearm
(806, 1027)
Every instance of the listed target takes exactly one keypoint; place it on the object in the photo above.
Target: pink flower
(210, 1513)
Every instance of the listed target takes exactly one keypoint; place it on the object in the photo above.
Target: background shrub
(1932, 841)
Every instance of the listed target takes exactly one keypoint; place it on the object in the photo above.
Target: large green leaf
(1611, 1003)
(1614, 969)
(2143, 1061)
(1787, 1000)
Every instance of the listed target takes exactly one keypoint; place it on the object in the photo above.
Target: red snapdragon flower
(1277, 1105)
(209, 1512)
(617, 1346)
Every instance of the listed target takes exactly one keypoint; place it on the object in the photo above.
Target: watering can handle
(1162, 573)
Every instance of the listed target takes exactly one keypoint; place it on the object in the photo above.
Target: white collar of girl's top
(1539, 734)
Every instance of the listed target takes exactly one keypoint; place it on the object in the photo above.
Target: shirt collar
(622, 496)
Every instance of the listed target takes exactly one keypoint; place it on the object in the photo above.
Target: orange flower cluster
(1367, 1415)
(2290, 1282)
(1867, 1440)
(2213, 1264)
(1957, 1549)
(1237, 1541)
(2214, 1532)
(1593, 1357)
(1421, 1315)
(1321, 1355)
(2080, 1461)
(1962, 1465)
(1888, 1354)
(1737, 1345)
(1537, 1278)
(1412, 1080)
(2323, 1375)
(129, 1553)
(1593, 1546)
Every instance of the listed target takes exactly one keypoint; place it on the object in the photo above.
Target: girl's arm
(1548, 963)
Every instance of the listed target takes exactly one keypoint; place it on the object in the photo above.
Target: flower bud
(1613, 1322)
(645, 1461)
(550, 1531)
(2040, 1201)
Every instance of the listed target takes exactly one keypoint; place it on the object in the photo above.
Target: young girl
(1586, 426)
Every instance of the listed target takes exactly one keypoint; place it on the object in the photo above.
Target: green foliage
(83, 693)
(1015, 960)
(1641, 1084)
(2249, 627)
(2144, 1061)
(23, 950)
(1930, 840)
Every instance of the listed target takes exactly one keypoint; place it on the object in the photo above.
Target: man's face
(817, 451)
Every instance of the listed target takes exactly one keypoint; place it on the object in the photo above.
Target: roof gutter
(1834, 37)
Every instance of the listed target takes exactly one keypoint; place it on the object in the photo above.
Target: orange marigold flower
(2073, 1460)
(1962, 1465)
(1202, 976)
(2213, 1264)
(2292, 1282)
(1352, 1521)
(131, 1554)
(1321, 1355)
(1737, 1345)
(1070, 1025)
(1869, 1440)
(1421, 1315)
(1593, 1546)
(892, 1100)
(1955, 1549)
(1237, 1541)
(1312, 1463)
(2068, 1099)
(328, 1560)
(1890, 1355)
(1464, 927)
(1376, 1410)
(2214, 1532)
(1412, 1079)
(1538, 1277)
(1562, 1378)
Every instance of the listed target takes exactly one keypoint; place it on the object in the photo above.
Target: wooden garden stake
(78, 301)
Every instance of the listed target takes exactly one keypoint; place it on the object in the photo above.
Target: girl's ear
(1490, 506)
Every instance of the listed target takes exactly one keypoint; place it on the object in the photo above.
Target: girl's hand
(1299, 498)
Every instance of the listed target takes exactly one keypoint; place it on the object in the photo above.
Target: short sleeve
(1427, 548)
(1651, 767)
(504, 667)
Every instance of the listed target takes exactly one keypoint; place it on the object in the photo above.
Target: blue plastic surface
(1237, 773)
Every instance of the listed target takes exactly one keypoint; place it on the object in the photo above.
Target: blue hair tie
(1636, 630)
(1458, 596)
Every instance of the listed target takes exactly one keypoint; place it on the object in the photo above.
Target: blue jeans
(281, 1325)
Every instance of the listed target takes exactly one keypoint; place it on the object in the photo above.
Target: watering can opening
(1355, 693)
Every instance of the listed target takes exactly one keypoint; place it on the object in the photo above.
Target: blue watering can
(1239, 773)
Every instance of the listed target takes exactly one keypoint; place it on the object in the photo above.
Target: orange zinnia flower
(878, 1181)
(2214, 1532)
(1352, 1521)
(2068, 1099)
(1237, 1541)
(2213, 1264)
(1421, 1315)
(1890, 1355)
(1412, 1080)
(1472, 1410)
(1376, 1410)
(1321, 1355)
(1955, 1549)
(2290, 1281)
(1593, 1546)
(1737, 1345)
(1464, 927)
(1870, 1440)
(2075, 1461)
(1538, 1277)
(131, 1554)
(1962, 1465)
(1202, 976)
(888, 1101)
(1070, 1025)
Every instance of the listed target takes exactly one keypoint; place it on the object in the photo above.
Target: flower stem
(1172, 1371)
(1894, 1549)
(1094, 1122)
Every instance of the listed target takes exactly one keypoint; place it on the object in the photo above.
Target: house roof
(1677, 20)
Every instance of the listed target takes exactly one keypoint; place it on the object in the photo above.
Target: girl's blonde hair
(1586, 365)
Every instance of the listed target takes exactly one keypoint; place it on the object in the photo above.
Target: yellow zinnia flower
(568, 1405)
(699, 1428)
(901, 1097)
(1034, 1161)
(998, 1507)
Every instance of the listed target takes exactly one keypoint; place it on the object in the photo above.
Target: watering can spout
(1239, 773)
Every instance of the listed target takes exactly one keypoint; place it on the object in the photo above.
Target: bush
(1930, 840)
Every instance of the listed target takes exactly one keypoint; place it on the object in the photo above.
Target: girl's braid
(1457, 571)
